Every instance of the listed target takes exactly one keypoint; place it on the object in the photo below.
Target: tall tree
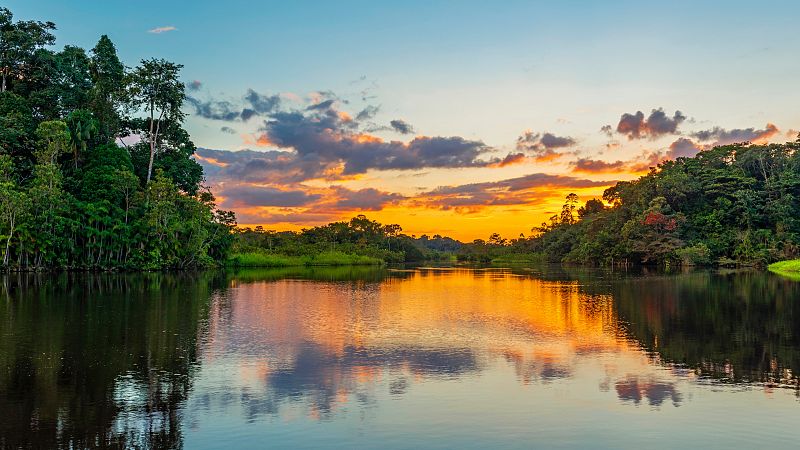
(108, 76)
(18, 43)
(156, 88)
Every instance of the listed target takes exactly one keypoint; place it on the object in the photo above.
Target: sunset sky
(457, 118)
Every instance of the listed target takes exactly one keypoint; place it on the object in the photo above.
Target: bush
(696, 255)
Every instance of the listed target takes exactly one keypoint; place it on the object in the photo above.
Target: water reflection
(100, 360)
(149, 359)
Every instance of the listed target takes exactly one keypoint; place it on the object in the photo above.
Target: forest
(95, 166)
(730, 205)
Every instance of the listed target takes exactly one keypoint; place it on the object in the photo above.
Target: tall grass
(789, 269)
(332, 258)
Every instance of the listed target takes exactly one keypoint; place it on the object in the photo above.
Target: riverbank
(332, 258)
(789, 269)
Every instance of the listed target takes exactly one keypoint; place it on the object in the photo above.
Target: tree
(592, 206)
(155, 87)
(18, 43)
(108, 76)
(13, 205)
(54, 139)
(568, 210)
(82, 127)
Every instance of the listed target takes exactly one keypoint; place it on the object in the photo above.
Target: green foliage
(733, 205)
(69, 196)
(339, 242)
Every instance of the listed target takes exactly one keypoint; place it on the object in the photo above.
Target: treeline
(731, 205)
(337, 243)
(95, 167)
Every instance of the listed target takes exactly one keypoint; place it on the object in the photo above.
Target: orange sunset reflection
(327, 342)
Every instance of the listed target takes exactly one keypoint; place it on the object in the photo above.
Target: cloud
(214, 109)
(511, 158)
(402, 126)
(542, 146)
(253, 195)
(159, 30)
(228, 130)
(368, 112)
(324, 138)
(635, 126)
(722, 136)
(586, 165)
(195, 85)
(368, 199)
(639, 164)
(683, 148)
(608, 130)
(262, 104)
(525, 190)
(253, 104)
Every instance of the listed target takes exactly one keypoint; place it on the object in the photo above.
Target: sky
(450, 117)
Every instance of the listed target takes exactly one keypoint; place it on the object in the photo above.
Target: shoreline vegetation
(787, 269)
(330, 258)
(97, 173)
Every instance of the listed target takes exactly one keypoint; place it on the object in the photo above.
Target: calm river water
(380, 358)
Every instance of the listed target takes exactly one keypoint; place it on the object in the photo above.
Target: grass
(789, 269)
(258, 259)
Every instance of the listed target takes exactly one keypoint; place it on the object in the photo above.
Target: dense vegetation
(357, 241)
(73, 194)
(734, 204)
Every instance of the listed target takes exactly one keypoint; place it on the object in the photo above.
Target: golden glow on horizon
(465, 225)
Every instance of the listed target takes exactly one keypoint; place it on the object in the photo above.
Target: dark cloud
(511, 158)
(327, 139)
(586, 165)
(527, 189)
(401, 126)
(262, 104)
(228, 130)
(368, 112)
(530, 141)
(251, 195)
(364, 199)
(214, 109)
(195, 85)
(323, 105)
(682, 148)
(224, 110)
(608, 130)
(530, 181)
(641, 163)
(635, 126)
(722, 136)
(543, 146)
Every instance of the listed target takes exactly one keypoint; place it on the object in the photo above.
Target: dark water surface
(378, 358)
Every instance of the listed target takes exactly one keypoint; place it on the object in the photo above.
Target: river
(358, 357)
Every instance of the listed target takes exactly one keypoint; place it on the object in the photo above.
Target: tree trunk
(8, 243)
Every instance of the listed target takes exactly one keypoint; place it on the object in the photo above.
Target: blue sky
(485, 71)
